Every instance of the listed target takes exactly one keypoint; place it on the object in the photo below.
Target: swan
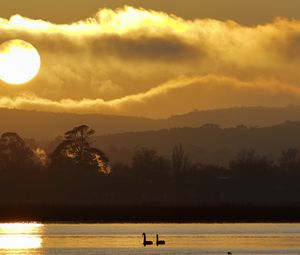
(145, 242)
(159, 242)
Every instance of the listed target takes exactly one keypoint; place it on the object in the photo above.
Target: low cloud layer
(140, 62)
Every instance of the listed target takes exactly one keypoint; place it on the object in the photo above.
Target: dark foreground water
(183, 239)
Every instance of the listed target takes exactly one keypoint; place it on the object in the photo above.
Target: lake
(183, 239)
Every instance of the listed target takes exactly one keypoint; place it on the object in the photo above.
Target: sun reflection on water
(20, 235)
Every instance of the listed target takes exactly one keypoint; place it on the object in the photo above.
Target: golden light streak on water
(20, 235)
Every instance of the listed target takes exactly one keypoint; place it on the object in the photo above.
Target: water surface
(183, 239)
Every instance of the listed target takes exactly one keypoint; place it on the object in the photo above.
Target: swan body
(159, 242)
(145, 242)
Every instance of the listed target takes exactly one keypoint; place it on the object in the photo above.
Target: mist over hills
(46, 125)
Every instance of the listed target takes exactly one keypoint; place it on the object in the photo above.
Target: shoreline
(149, 214)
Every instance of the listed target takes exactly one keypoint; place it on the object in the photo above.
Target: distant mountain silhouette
(46, 125)
(206, 144)
(231, 117)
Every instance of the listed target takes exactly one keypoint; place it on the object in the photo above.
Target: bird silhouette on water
(159, 242)
(145, 242)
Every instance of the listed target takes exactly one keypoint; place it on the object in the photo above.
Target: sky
(155, 58)
(247, 12)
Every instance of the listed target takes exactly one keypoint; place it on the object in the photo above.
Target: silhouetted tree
(180, 161)
(252, 175)
(290, 159)
(14, 153)
(76, 152)
(148, 164)
(247, 160)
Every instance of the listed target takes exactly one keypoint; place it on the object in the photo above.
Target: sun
(19, 62)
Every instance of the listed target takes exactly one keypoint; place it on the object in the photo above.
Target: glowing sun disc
(19, 62)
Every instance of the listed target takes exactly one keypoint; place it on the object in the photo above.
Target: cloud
(124, 58)
(180, 94)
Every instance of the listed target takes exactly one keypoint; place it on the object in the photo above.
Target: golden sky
(156, 61)
(242, 11)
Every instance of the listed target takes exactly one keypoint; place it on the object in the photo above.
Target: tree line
(76, 173)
